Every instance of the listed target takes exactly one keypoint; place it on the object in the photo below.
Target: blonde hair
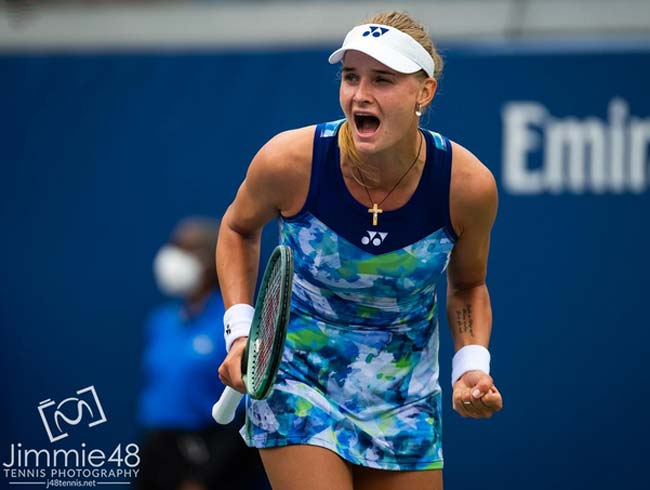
(407, 24)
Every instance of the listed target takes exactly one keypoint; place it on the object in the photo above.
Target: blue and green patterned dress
(359, 374)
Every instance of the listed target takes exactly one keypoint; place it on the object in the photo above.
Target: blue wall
(100, 154)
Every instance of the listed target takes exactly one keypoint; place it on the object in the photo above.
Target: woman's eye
(383, 80)
(349, 77)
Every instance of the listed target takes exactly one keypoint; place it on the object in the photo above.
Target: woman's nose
(362, 93)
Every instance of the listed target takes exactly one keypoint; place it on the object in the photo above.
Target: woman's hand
(230, 369)
(476, 396)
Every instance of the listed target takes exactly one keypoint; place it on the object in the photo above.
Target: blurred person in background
(376, 209)
(183, 448)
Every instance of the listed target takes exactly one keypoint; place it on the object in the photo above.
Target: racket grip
(223, 412)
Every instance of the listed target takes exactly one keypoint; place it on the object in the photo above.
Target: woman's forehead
(361, 61)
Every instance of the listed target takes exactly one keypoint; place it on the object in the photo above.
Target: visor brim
(384, 54)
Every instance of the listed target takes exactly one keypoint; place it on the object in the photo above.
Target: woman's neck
(388, 166)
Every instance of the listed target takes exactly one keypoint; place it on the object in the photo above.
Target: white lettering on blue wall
(577, 155)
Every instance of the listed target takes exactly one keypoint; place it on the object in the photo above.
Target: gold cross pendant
(375, 210)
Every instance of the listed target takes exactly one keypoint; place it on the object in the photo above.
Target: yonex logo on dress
(374, 237)
(376, 31)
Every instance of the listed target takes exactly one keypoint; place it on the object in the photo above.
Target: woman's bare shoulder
(473, 189)
(289, 150)
(282, 168)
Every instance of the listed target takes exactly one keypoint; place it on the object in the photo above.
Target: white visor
(389, 46)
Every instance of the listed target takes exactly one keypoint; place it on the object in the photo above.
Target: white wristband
(469, 358)
(237, 323)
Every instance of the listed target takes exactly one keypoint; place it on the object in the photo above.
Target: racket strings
(268, 318)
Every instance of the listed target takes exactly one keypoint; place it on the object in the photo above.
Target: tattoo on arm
(464, 320)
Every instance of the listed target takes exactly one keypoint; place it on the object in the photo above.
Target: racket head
(269, 326)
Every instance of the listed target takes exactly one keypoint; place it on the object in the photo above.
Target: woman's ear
(427, 91)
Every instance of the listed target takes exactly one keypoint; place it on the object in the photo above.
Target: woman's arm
(276, 183)
(473, 204)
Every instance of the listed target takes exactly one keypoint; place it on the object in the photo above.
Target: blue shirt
(180, 362)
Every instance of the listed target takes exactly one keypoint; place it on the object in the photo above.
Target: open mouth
(366, 124)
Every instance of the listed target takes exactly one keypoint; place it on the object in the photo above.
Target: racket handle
(223, 412)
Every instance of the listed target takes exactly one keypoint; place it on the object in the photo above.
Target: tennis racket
(265, 344)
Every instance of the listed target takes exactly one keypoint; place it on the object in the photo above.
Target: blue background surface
(101, 154)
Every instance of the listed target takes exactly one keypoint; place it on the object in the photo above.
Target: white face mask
(178, 273)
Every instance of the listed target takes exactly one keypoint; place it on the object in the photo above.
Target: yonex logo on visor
(376, 31)
(389, 46)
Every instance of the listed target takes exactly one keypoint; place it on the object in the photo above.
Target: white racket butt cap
(223, 412)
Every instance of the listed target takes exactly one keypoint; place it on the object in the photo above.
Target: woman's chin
(365, 148)
(366, 143)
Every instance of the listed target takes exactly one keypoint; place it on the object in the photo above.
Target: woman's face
(379, 103)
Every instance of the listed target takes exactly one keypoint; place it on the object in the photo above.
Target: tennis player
(376, 209)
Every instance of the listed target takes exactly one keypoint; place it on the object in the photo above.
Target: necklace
(375, 210)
